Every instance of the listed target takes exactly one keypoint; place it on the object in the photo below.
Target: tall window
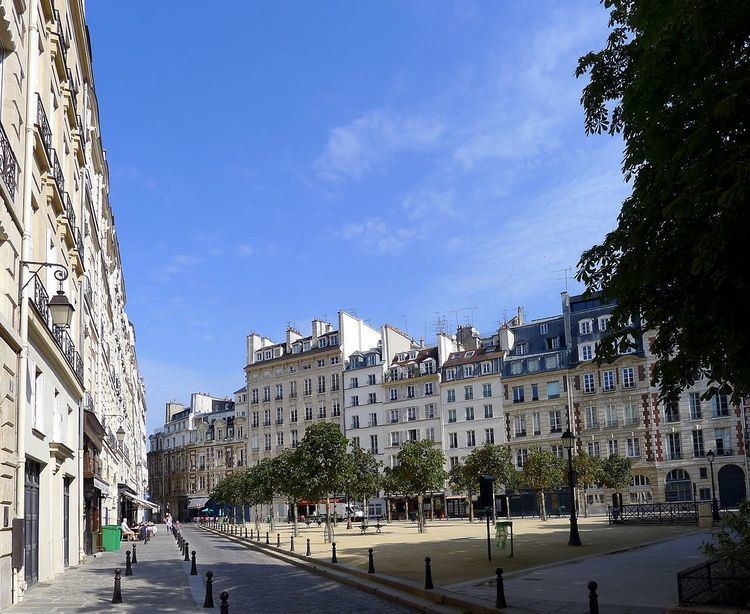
(451, 396)
(471, 439)
(610, 414)
(452, 440)
(592, 417)
(723, 442)
(588, 383)
(553, 390)
(451, 415)
(694, 401)
(674, 446)
(489, 435)
(593, 448)
(536, 422)
(628, 377)
(469, 412)
(374, 444)
(672, 412)
(631, 413)
(486, 390)
(519, 424)
(608, 380)
(518, 394)
(720, 403)
(468, 393)
(555, 424)
(488, 411)
(613, 447)
(698, 449)
(633, 447)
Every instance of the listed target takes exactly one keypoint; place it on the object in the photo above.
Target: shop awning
(141, 502)
(197, 503)
(101, 485)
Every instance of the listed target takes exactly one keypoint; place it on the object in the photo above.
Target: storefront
(95, 488)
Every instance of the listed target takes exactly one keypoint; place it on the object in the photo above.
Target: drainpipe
(26, 254)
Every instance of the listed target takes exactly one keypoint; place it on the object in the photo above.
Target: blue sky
(275, 162)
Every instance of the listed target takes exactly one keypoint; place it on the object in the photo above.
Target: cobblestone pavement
(642, 580)
(259, 583)
(158, 584)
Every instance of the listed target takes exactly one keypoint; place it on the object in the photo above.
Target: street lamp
(120, 434)
(569, 440)
(714, 503)
(60, 307)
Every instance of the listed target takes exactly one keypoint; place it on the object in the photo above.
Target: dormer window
(587, 352)
(277, 352)
(522, 348)
(585, 327)
(268, 354)
(543, 329)
(469, 354)
(322, 342)
(258, 355)
(296, 348)
(333, 340)
(450, 374)
(305, 346)
(604, 322)
(413, 354)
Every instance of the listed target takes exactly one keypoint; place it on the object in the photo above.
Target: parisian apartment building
(522, 386)
(73, 410)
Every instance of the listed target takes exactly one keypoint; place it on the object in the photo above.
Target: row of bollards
(500, 601)
(208, 602)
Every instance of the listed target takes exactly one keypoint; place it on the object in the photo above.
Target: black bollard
(500, 594)
(333, 553)
(593, 598)
(308, 547)
(428, 573)
(278, 540)
(224, 597)
(187, 551)
(252, 533)
(128, 568)
(193, 568)
(268, 542)
(117, 593)
(370, 562)
(208, 602)
(291, 544)
(245, 532)
(134, 558)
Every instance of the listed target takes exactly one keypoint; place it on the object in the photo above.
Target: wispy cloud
(368, 141)
(179, 264)
(376, 234)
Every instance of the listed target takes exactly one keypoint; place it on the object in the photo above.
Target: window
(293, 435)
(522, 348)
(631, 413)
(411, 413)
(279, 415)
(698, 449)
(468, 393)
(468, 370)
(374, 444)
(429, 433)
(451, 396)
(429, 410)
(308, 387)
(266, 393)
(588, 383)
(471, 439)
(672, 412)
(254, 396)
(320, 362)
(486, 368)
(592, 418)
(335, 381)
(536, 422)
(395, 439)
(293, 415)
(450, 374)
(372, 398)
(633, 447)
(410, 391)
(371, 379)
(355, 422)
(553, 390)
(321, 384)
(552, 362)
(428, 389)
(279, 439)
(587, 352)
(521, 456)
(355, 442)
(292, 390)
(355, 401)
(335, 360)
(604, 322)
(266, 417)
(532, 364)
(267, 442)
(593, 448)
(584, 327)
(452, 440)
(453, 461)
(486, 390)
(393, 416)
(703, 473)
(321, 411)
(308, 412)
(608, 380)
(469, 412)
(628, 377)
(451, 415)
(255, 419)
(516, 367)
(488, 411)
(674, 446)
(694, 401)
(720, 405)
(372, 420)
(534, 392)
(279, 392)
(678, 486)
(393, 394)
(558, 450)
(336, 411)
(353, 382)
(518, 394)
(723, 443)
(610, 415)
(612, 446)
(555, 424)
(519, 426)
(543, 329)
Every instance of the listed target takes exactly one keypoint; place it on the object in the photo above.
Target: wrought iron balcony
(56, 170)
(41, 121)
(8, 164)
(61, 335)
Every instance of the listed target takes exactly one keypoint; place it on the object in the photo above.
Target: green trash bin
(111, 537)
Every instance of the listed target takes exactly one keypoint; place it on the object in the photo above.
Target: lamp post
(61, 309)
(714, 503)
(569, 441)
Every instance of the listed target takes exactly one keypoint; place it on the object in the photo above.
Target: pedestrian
(168, 522)
(126, 530)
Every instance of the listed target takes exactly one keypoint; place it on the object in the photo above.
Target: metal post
(252, 533)
(267, 541)
(117, 592)
(245, 532)
(428, 574)
(208, 602)
(128, 568)
(224, 598)
(489, 547)
(714, 502)
(308, 547)
(593, 598)
(291, 544)
(333, 553)
(278, 540)
(134, 558)
(193, 567)
(370, 562)
(500, 594)
(575, 538)
(187, 551)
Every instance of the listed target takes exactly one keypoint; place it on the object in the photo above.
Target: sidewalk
(158, 584)
(641, 580)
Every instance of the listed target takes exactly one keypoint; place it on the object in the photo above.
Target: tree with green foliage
(228, 490)
(419, 471)
(588, 471)
(674, 79)
(293, 481)
(364, 479)
(731, 546)
(616, 472)
(462, 479)
(543, 471)
(262, 486)
(324, 455)
(496, 461)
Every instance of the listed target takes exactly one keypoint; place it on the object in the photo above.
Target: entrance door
(66, 521)
(731, 486)
(31, 522)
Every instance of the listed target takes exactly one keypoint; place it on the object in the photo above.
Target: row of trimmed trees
(322, 465)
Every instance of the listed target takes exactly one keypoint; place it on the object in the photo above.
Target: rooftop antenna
(567, 271)
(455, 313)
(471, 310)
(441, 322)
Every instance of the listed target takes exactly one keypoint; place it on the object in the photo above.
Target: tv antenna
(567, 272)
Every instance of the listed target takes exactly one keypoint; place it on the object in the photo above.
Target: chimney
(519, 316)
(318, 329)
(291, 336)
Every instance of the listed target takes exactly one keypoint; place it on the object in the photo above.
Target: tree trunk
(329, 529)
(470, 507)
(257, 517)
(388, 510)
(270, 515)
(494, 508)
(295, 521)
(542, 507)
(586, 502)
(365, 501)
(420, 513)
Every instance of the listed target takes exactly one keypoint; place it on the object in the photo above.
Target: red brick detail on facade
(641, 373)
(577, 382)
(740, 438)
(655, 405)
(659, 451)
(651, 341)
(647, 443)
(577, 417)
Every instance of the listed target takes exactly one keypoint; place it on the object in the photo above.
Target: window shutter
(641, 373)
(577, 382)
(505, 391)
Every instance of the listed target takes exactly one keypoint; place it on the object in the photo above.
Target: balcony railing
(8, 164)
(61, 335)
(56, 170)
(44, 130)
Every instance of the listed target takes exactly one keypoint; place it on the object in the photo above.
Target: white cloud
(358, 147)
(177, 265)
(245, 249)
(375, 233)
